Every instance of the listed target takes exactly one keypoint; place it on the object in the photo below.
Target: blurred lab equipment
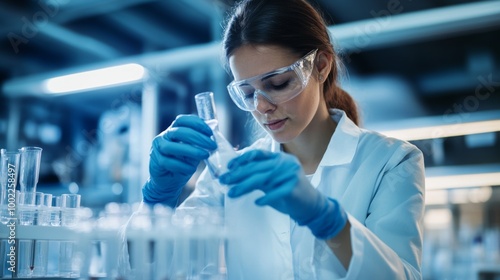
(123, 242)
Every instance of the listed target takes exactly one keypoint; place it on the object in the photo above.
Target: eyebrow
(278, 71)
(269, 75)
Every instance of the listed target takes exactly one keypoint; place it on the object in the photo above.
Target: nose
(262, 104)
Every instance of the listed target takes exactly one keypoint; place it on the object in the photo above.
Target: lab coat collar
(343, 143)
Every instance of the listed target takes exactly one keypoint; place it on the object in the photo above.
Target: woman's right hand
(174, 157)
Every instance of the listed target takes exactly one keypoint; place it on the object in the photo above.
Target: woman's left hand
(280, 177)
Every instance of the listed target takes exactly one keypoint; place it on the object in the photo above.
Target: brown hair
(292, 24)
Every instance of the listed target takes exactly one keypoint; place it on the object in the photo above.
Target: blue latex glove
(281, 178)
(174, 157)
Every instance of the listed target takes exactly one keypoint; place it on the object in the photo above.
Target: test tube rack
(82, 240)
(131, 252)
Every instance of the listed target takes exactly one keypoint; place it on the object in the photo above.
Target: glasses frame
(299, 67)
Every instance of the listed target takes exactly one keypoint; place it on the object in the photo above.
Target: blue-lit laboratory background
(426, 71)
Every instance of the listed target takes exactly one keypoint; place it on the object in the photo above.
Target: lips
(275, 124)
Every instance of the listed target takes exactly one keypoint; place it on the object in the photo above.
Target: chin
(280, 137)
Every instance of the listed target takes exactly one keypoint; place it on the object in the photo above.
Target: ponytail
(335, 96)
(340, 99)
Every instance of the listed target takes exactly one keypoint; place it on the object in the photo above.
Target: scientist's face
(284, 121)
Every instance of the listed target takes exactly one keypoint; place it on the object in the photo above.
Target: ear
(324, 63)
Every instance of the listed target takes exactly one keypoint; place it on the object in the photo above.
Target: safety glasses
(277, 86)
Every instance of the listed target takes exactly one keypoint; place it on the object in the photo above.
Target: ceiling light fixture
(462, 181)
(94, 79)
(442, 131)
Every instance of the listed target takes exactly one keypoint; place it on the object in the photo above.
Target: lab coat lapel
(257, 237)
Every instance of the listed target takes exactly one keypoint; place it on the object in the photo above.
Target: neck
(310, 146)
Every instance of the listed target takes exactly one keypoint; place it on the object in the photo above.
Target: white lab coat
(380, 183)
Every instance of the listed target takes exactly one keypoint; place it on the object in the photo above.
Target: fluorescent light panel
(462, 181)
(442, 131)
(458, 196)
(389, 27)
(94, 79)
(438, 218)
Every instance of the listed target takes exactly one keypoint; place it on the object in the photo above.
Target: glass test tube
(26, 208)
(32, 253)
(9, 166)
(40, 258)
(69, 217)
(30, 168)
(218, 160)
(69, 207)
(25, 258)
(43, 202)
(67, 260)
(55, 212)
(9, 170)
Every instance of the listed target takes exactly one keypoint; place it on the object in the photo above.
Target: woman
(318, 197)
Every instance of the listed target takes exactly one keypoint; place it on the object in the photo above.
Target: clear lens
(277, 86)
